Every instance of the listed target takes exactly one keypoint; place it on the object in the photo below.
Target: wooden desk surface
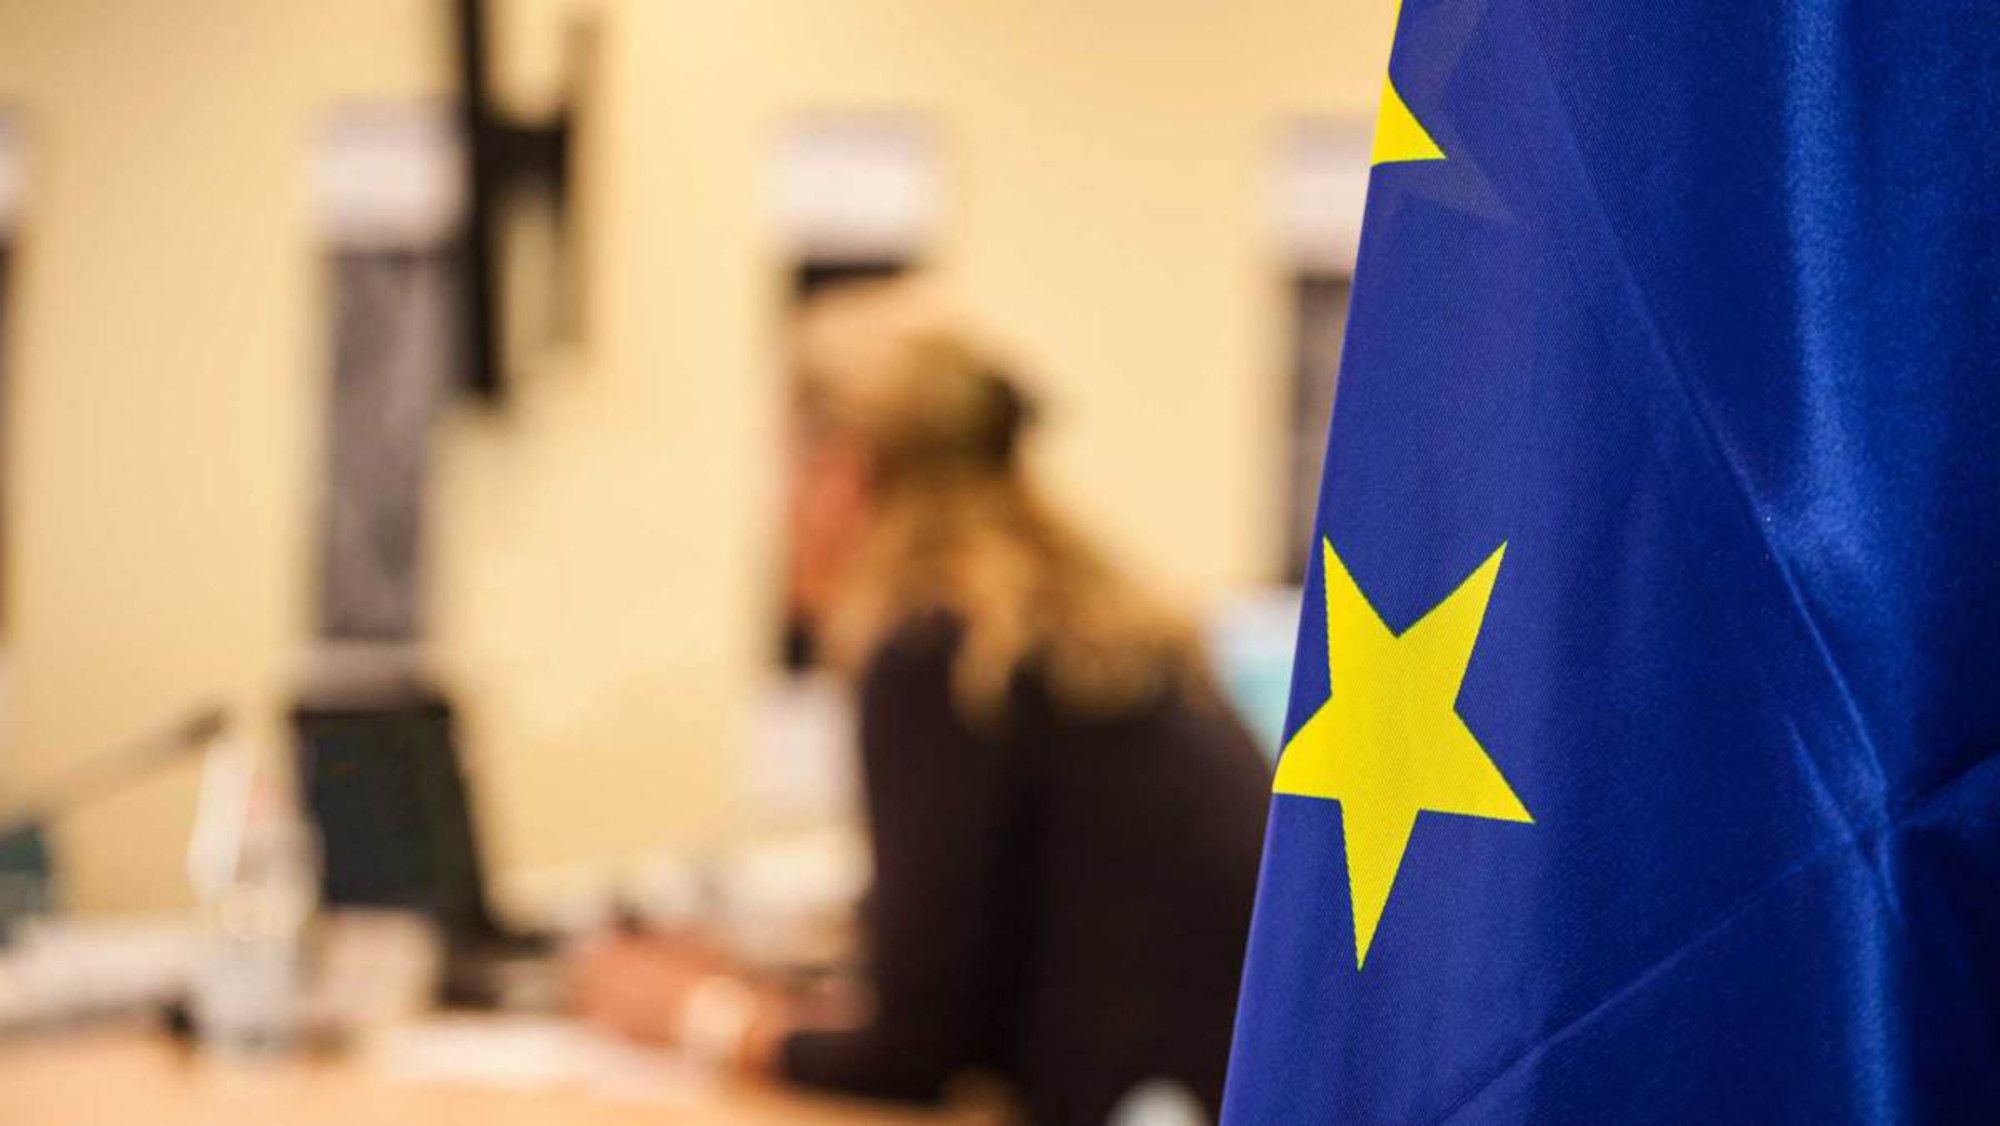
(138, 1077)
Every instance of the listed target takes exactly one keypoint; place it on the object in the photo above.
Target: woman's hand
(678, 992)
(637, 986)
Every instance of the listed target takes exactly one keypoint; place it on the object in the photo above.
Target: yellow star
(1399, 136)
(1388, 742)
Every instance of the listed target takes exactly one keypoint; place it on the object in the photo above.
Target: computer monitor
(384, 785)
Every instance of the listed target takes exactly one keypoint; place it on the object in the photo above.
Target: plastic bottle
(255, 866)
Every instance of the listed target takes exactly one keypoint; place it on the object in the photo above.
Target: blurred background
(426, 359)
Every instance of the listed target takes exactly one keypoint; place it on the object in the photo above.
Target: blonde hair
(957, 525)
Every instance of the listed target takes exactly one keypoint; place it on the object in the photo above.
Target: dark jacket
(1059, 900)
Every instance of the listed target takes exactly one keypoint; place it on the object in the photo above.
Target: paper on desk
(533, 1053)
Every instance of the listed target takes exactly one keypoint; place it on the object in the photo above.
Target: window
(855, 199)
(390, 195)
(1320, 186)
(24, 856)
(1319, 325)
(11, 179)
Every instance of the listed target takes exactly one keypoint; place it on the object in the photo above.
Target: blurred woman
(1066, 820)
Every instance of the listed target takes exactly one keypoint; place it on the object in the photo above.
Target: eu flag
(1643, 758)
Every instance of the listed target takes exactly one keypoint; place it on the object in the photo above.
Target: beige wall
(164, 377)
(600, 565)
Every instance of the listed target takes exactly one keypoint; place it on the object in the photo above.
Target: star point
(1399, 136)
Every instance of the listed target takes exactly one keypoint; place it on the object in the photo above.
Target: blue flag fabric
(1641, 759)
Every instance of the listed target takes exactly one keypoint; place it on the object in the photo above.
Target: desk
(135, 1076)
